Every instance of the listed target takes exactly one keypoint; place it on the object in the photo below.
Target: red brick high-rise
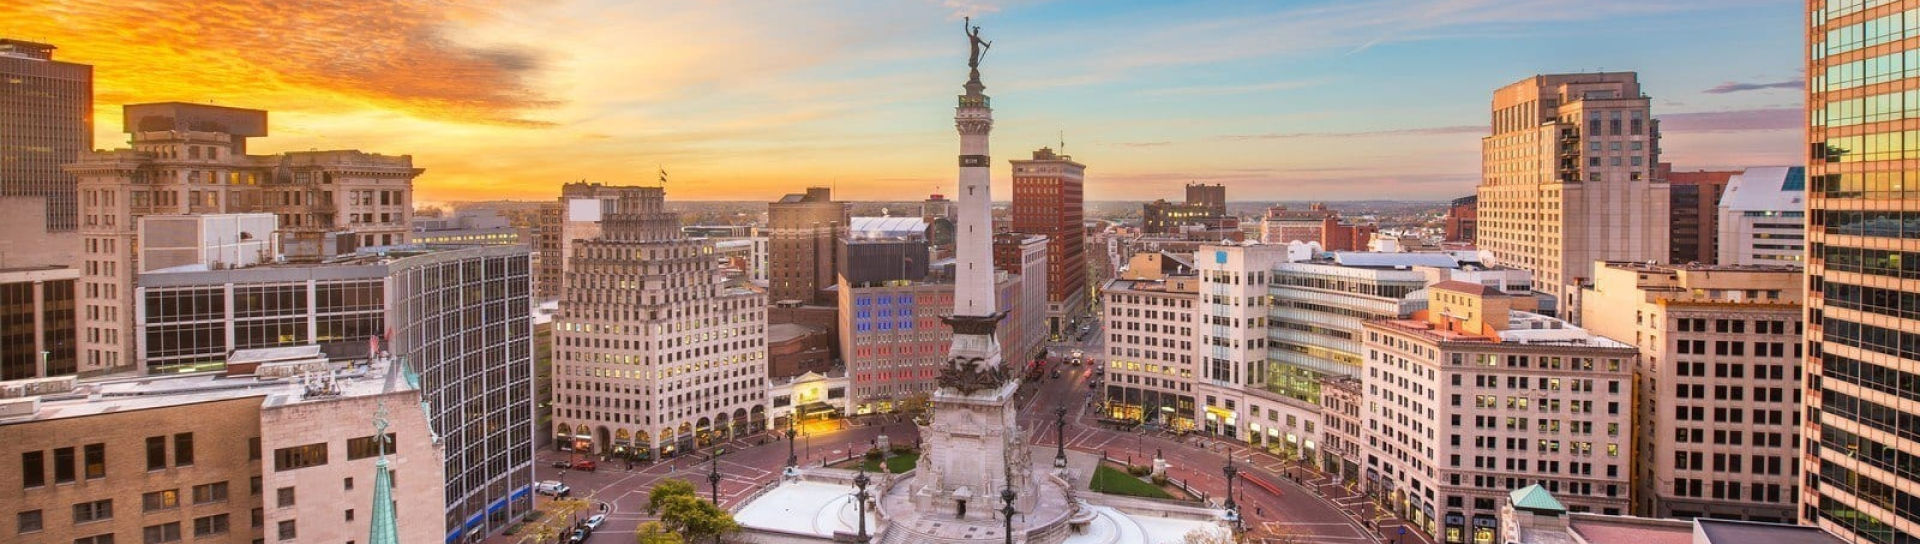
(1048, 199)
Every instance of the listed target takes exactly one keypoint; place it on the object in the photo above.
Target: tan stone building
(192, 159)
(1341, 436)
(1472, 399)
(654, 352)
(235, 458)
(1150, 328)
(1717, 413)
(1566, 179)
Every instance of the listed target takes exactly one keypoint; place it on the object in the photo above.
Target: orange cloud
(317, 55)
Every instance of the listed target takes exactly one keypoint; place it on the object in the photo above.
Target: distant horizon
(1312, 100)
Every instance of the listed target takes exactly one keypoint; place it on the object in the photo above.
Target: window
(156, 452)
(33, 469)
(99, 510)
(158, 534)
(285, 498)
(288, 531)
(213, 492)
(95, 539)
(295, 457)
(259, 517)
(254, 487)
(160, 500)
(365, 446)
(63, 465)
(30, 522)
(349, 514)
(210, 525)
(182, 449)
(96, 461)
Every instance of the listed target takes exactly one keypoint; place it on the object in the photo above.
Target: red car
(585, 465)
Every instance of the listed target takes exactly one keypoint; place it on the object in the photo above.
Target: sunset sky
(1341, 99)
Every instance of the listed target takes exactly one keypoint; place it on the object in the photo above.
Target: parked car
(562, 463)
(579, 535)
(585, 465)
(595, 521)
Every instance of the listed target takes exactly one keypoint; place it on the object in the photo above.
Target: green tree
(682, 512)
(653, 532)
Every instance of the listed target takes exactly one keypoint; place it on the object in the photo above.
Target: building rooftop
(887, 227)
(1370, 259)
(1773, 188)
(1717, 531)
(1523, 328)
(1535, 498)
(322, 381)
(782, 332)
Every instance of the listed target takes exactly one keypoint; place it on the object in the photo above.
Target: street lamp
(1007, 496)
(1230, 471)
(1060, 435)
(792, 460)
(860, 481)
(713, 475)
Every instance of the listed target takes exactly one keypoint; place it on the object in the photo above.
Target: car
(594, 522)
(1056, 374)
(1078, 354)
(579, 535)
(552, 488)
(562, 463)
(585, 465)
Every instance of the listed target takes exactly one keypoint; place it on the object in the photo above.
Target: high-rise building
(1025, 256)
(575, 216)
(893, 343)
(1863, 354)
(1568, 179)
(1693, 204)
(191, 159)
(1230, 337)
(1049, 199)
(804, 232)
(1462, 219)
(654, 352)
(1763, 217)
(1716, 428)
(1471, 399)
(36, 322)
(46, 122)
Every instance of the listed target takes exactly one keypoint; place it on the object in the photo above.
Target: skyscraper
(1568, 179)
(1048, 200)
(804, 231)
(1863, 204)
(46, 121)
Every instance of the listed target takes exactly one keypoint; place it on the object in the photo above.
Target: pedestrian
(1256, 510)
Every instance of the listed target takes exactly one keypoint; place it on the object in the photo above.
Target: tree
(1211, 535)
(653, 532)
(683, 513)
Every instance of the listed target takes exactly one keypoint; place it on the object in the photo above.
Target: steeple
(383, 528)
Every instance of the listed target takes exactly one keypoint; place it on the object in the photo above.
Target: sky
(1280, 100)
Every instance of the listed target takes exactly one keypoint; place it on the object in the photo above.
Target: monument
(976, 480)
(975, 448)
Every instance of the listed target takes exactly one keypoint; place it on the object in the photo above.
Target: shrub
(874, 454)
(1138, 470)
(1160, 479)
(902, 449)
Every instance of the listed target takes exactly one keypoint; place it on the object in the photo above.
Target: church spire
(384, 529)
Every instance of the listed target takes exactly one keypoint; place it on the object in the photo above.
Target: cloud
(968, 8)
(1214, 90)
(1735, 120)
(1427, 131)
(1140, 144)
(338, 55)
(1734, 86)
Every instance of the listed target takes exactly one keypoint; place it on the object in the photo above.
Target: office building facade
(804, 233)
(1567, 179)
(1049, 199)
(46, 122)
(1863, 356)
(1763, 217)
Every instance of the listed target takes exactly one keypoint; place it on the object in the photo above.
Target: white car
(552, 488)
(593, 523)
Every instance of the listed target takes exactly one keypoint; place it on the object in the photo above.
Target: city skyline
(510, 99)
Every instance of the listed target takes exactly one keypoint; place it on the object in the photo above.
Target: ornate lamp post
(1230, 471)
(713, 475)
(1060, 435)
(860, 481)
(792, 459)
(1006, 512)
